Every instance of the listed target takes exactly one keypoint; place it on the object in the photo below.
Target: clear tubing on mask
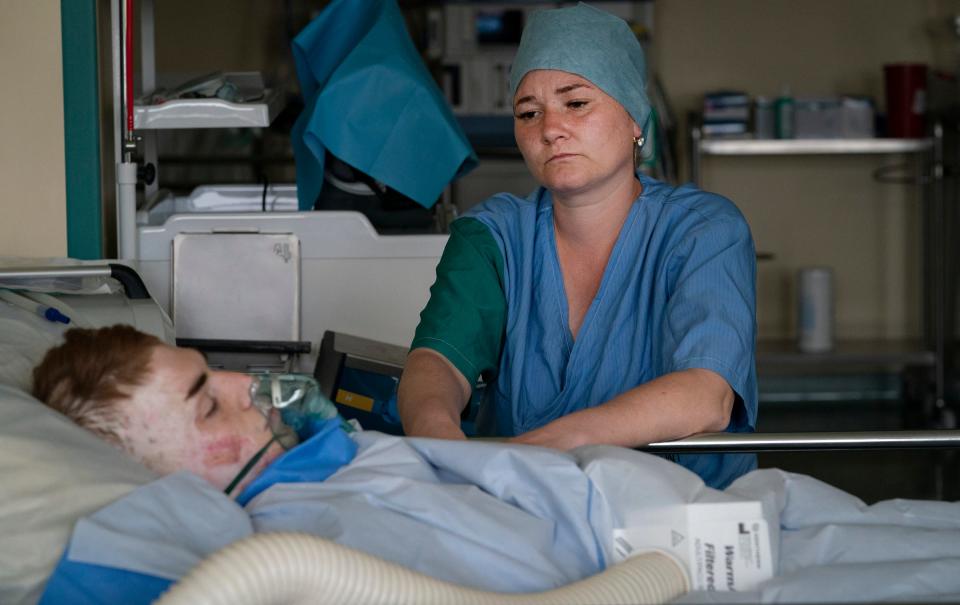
(292, 405)
(292, 401)
(261, 396)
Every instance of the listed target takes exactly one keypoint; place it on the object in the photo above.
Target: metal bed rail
(781, 442)
(708, 442)
(132, 284)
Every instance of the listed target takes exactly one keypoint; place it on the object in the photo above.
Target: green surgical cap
(592, 44)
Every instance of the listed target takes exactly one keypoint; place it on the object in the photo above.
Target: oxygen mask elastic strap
(249, 465)
(294, 408)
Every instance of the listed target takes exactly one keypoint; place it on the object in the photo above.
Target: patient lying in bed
(468, 515)
(492, 516)
(160, 404)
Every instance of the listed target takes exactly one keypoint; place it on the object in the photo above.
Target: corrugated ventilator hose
(291, 568)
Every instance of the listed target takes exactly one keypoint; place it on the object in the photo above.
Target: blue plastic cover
(88, 584)
(313, 460)
(370, 100)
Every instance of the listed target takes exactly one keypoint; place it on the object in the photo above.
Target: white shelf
(855, 352)
(208, 113)
(812, 146)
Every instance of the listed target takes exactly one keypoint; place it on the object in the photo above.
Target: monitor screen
(499, 26)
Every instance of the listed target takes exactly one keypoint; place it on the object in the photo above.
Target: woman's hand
(438, 427)
(560, 434)
(673, 406)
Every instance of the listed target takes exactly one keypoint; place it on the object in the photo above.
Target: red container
(906, 90)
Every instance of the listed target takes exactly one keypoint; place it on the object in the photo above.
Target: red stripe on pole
(129, 69)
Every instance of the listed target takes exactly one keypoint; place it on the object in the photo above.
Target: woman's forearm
(431, 396)
(673, 406)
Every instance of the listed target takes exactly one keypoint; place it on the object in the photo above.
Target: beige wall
(194, 38)
(806, 211)
(812, 210)
(32, 187)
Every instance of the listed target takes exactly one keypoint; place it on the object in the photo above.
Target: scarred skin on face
(225, 450)
(188, 417)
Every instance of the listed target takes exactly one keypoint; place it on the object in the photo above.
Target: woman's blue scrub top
(678, 293)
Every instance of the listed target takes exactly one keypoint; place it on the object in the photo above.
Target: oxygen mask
(293, 402)
(295, 409)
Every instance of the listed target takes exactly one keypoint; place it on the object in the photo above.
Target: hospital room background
(783, 106)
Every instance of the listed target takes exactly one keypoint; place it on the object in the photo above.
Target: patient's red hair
(84, 377)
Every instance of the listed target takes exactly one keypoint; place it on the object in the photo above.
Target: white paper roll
(815, 309)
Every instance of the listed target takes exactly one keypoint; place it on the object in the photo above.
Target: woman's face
(188, 417)
(574, 137)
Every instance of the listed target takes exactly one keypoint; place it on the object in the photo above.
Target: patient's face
(188, 417)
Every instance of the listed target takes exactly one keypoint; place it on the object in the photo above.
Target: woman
(606, 307)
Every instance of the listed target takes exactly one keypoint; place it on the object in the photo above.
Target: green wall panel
(78, 22)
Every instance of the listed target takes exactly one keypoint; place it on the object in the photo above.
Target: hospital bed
(54, 473)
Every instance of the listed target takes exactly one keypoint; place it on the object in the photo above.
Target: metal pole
(695, 136)
(939, 266)
(128, 144)
(126, 168)
(773, 442)
(148, 83)
(55, 271)
(127, 210)
(117, 80)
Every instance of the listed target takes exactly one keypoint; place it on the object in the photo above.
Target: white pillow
(52, 472)
(24, 339)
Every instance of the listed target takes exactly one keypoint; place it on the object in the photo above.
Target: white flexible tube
(295, 569)
(18, 300)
